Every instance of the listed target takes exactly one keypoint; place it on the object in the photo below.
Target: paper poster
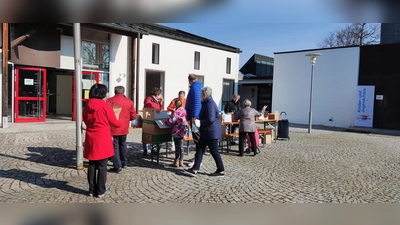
(28, 81)
(86, 94)
(364, 106)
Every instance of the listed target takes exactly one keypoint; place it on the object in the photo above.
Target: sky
(261, 38)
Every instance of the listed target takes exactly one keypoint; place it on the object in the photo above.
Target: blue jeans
(120, 158)
(200, 150)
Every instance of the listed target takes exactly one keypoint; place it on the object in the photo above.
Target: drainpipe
(137, 70)
(12, 91)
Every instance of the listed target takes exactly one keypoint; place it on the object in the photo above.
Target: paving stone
(325, 166)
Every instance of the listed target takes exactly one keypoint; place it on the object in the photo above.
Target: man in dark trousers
(193, 106)
(232, 107)
(125, 112)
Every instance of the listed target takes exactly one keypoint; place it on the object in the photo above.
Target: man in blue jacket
(193, 103)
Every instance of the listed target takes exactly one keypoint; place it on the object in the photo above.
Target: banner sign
(364, 106)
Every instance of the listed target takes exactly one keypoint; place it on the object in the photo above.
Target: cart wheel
(248, 150)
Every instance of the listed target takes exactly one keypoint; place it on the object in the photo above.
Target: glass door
(30, 94)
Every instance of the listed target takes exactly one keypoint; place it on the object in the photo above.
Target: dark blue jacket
(193, 101)
(210, 123)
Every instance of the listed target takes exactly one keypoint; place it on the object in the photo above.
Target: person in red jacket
(123, 107)
(98, 117)
(154, 100)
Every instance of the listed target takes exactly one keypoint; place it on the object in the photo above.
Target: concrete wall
(334, 86)
(177, 62)
(120, 48)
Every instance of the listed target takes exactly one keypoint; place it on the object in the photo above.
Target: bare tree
(355, 34)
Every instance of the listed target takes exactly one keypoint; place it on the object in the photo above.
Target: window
(200, 79)
(227, 91)
(228, 65)
(196, 60)
(95, 56)
(155, 54)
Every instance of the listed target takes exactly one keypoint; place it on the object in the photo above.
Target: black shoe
(144, 153)
(240, 155)
(115, 170)
(217, 174)
(233, 143)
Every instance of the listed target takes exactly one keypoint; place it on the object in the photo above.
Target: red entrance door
(88, 79)
(30, 94)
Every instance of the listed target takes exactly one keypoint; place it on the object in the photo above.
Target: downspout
(137, 70)
(132, 68)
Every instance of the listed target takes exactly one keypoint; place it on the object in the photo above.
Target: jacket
(210, 123)
(232, 106)
(98, 117)
(193, 101)
(247, 119)
(128, 113)
(151, 102)
(171, 107)
(179, 122)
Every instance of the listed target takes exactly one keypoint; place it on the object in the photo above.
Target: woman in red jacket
(154, 100)
(98, 117)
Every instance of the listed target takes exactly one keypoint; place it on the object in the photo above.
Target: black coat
(232, 107)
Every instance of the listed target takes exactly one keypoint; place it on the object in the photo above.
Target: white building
(334, 86)
(136, 56)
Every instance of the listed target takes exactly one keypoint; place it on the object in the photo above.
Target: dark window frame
(228, 65)
(155, 53)
(197, 60)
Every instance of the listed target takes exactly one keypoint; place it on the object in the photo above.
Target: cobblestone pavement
(324, 166)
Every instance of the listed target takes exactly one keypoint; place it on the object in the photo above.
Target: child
(179, 131)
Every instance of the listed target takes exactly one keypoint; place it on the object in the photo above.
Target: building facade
(338, 74)
(40, 71)
(257, 81)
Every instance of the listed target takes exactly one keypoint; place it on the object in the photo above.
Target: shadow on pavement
(49, 156)
(39, 180)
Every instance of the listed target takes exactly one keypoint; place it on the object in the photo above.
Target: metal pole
(78, 94)
(311, 93)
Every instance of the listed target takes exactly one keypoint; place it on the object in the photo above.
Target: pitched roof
(172, 33)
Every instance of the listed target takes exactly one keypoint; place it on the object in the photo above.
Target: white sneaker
(192, 164)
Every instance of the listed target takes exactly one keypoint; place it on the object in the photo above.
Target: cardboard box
(273, 116)
(268, 139)
(269, 136)
(151, 114)
(156, 138)
(151, 127)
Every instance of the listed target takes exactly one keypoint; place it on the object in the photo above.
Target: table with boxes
(155, 131)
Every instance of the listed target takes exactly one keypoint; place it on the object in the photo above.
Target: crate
(156, 138)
